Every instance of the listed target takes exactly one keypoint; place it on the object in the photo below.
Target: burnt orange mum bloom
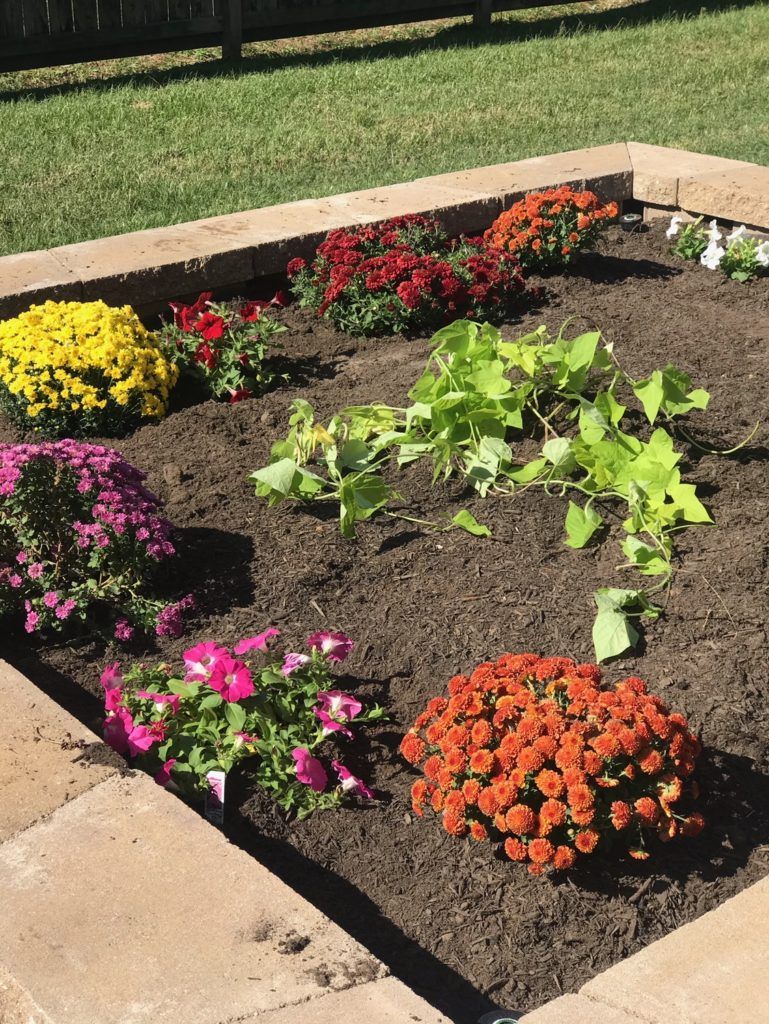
(481, 732)
(583, 817)
(456, 760)
(478, 831)
(454, 825)
(541, 851)
(564, 858)
(651, 763)
(549, 783)
(553, 811)
(583, 222)
(482, 762)
(569, 755)
(470, 791)
(621, 814)
(587, 840)
(647, 810)
(592, 762)
(693, 825)
(412, 748)
(515, 849)
(530, 759)
(521, 819)
(606, 745)
(546, 745)
(580, 797)
(487, 800)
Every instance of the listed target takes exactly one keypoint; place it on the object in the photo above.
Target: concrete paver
(126, 907)
(40, 754)
(712, 971)
(580, 1010)
(387, 1001)
(32, 277)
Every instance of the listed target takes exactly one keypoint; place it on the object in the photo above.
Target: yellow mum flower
(65, 357)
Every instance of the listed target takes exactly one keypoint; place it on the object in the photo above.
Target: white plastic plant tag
(215, 797)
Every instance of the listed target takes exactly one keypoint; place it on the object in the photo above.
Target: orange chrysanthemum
(550, 783)
(586, 840)
(521, 820)
(515, 849)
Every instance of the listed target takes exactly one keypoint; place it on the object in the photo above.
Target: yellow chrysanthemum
(70, 357)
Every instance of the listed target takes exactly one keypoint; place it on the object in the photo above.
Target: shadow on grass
(446, 38)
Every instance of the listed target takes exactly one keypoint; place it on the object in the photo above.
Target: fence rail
(43, 33)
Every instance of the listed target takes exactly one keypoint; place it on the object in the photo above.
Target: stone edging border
(147, 268)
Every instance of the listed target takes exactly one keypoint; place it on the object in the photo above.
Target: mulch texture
(463, 926)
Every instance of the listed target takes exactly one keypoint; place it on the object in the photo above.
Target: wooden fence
(42, 33)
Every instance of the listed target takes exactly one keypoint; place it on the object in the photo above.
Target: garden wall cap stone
(605, 169)
(658, 171)
(712, 971)
(739, 194)
(387, 1001)
(27, 278)
(580, 1010)
(41, 747)
(126, 907)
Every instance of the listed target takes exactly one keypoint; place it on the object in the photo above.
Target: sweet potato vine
(477, 397)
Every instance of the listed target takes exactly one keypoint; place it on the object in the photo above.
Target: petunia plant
(223, 706)
(741, 256)
(224, 346)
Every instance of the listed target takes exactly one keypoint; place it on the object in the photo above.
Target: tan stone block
(604, 169)
(32, 277)
(712, 971)
(738, 194)
(388, 1001)
(16, 1007)
(126, 907)
(41, 764)
(461, 210)
(580, 1010)
(658, 170)
(145, 267)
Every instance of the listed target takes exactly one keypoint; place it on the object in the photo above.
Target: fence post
(232, 30)
(482, 14)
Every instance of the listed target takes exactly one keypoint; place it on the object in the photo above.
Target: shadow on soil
(444, 38)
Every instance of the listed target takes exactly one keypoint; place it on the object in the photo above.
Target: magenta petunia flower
(350, 783)
(336, 646)
(341, 706)
(140, 739)
(291, 662)
(163, 774)
(200, 660)
(330, 725)
(231, 679)
(309, 770)
(161, 699)
(116, 730)
(259, 642)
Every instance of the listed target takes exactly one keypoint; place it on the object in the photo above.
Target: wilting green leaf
(467, 521)
(581, 524)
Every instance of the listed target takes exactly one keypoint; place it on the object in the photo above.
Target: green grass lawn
(107, 148)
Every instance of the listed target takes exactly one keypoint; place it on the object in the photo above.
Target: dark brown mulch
(464, 927)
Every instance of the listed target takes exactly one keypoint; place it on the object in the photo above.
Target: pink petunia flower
(161, 699)
(259, 642)
(116, 729)
(350, 783)
(112, 680)
(291, 662)
(336, 646)
(341, 706)
(200, 660)
(163, 774)
(231, 679)
(309, 770)
(330, 725)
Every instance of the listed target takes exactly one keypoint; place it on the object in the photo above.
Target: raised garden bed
(459, 924)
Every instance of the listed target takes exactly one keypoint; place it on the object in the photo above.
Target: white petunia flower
(714, 234)
(737, 233)
(762, 253)
(712, 256)
(675, 226)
